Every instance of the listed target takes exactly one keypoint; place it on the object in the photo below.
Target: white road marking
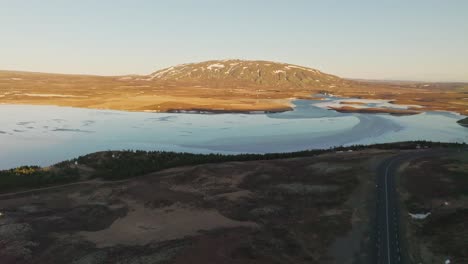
(386, 211)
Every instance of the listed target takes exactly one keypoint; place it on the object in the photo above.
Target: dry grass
(261, 86)
(236, 212)
(437, 185)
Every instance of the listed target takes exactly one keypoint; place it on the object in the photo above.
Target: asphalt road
(387, 228)
(388, 246)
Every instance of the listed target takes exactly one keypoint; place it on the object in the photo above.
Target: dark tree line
(34, 176)
(115, 165)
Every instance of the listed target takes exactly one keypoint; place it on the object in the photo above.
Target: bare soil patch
(276, 211)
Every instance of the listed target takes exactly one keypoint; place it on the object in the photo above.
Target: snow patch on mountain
(279, 71)
(215, 66)
(161, 73)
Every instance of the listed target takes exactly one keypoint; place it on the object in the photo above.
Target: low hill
(239, 72)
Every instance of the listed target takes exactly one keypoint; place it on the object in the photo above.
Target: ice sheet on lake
(57, 131)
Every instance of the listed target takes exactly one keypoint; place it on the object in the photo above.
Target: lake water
(42, 135)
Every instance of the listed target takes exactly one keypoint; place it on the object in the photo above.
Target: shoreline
(376, 110)
(170, 111)
(217, 111)
(277, 108)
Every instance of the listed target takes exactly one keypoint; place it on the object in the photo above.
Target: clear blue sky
(399, 39)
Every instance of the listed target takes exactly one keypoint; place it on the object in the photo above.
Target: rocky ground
(300, 210)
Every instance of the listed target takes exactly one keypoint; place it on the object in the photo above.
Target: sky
(399, 39)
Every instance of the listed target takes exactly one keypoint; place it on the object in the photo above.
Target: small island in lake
(463, 122)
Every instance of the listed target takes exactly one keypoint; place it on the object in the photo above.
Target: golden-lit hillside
(227, 85)
(248, 73)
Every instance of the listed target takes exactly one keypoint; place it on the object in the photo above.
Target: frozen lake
(42, 135)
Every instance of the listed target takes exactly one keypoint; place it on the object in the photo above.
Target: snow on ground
(216, 66)
(233, 66)
(243, 69)
(300, 68)
(279, 71)
(159, 74)
(419, 216)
